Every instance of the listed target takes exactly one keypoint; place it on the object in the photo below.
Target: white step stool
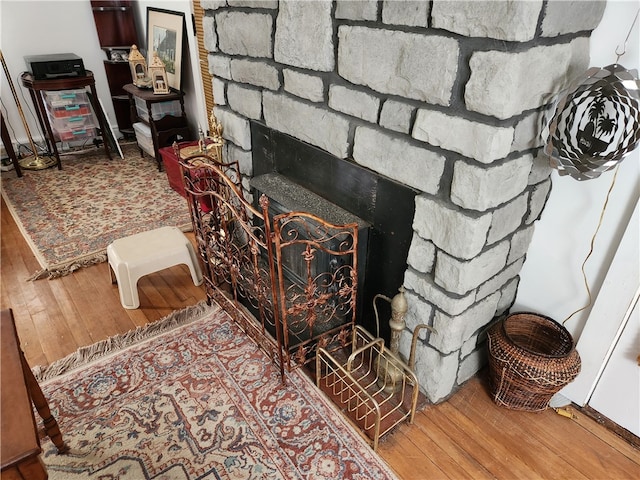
(133, 257)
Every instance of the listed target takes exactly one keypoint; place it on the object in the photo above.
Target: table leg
(133, 114)
(154, 136)
(8, 145)
(42, 406)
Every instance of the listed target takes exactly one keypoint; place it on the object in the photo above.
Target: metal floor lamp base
(36, 162)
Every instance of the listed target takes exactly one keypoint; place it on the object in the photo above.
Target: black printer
(55, 65)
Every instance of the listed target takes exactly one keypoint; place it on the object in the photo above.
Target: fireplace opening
(297, 176)
(286, 196)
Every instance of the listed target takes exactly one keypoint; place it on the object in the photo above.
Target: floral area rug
(200, 401)
(69, 216)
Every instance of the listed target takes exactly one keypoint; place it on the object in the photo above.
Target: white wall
(551, 280)
(39, 28)
(53, 26)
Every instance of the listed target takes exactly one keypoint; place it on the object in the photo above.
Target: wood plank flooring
(466, 437)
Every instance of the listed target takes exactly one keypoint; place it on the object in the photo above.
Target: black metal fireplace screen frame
(246, 253)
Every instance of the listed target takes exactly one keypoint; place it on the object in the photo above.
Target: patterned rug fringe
(103, 348)
(69, 216)
(58, 271)
(62, 270)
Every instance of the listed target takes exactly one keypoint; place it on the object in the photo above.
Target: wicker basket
(531, 357)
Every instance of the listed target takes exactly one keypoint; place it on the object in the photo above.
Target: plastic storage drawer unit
(77, 134)
(60, 98)
(68, 111)
(77, 122)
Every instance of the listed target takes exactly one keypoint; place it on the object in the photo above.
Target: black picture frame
(165, 35)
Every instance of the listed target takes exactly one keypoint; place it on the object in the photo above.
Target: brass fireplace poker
(34, 161)
(390, 373)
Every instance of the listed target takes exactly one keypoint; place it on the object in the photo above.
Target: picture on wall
(165, 31)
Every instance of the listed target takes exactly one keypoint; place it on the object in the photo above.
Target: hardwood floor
(467, 436)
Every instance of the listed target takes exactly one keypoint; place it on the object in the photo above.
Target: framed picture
(165, 32)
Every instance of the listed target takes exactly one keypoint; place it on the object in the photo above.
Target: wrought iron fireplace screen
(291, 279)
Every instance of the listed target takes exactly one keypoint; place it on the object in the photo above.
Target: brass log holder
(373, 386)
(33, 161)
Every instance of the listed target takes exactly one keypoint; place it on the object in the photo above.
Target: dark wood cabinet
(116, 26)
(117, 76)
(115, 22)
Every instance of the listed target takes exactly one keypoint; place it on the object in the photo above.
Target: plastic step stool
(133, 257)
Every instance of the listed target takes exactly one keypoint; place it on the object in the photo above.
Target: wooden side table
(165, 130)
(20, 447)
(36, 87)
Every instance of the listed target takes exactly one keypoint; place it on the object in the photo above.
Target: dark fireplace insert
(297, 176)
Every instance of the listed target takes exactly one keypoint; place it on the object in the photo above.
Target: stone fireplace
(443, 97)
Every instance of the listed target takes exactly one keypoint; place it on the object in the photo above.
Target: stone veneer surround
(443, 96)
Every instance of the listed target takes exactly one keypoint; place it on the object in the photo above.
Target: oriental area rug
(194, 398)
(69, 216)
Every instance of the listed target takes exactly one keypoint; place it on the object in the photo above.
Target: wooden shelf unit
(116, 27)
(166, 128)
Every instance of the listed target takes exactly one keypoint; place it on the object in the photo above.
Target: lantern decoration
(158, 75)
(138, 67)
(595, 122)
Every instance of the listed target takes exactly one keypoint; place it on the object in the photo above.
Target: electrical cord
(591, 247)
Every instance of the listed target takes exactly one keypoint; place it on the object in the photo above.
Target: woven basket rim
(553, 323)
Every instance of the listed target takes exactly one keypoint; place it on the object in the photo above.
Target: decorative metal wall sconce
(595, 122)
